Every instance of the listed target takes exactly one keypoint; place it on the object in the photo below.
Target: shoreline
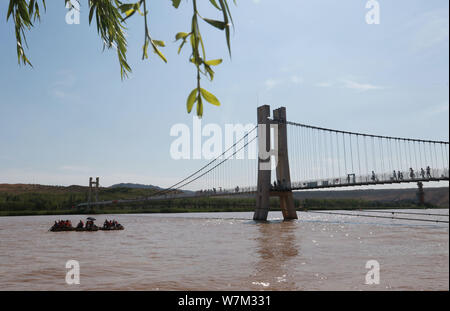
(193, 210)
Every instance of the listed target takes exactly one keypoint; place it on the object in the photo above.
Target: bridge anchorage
(282, 185)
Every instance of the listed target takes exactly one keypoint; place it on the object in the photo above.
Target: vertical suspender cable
(325, 145)
(319, 154)
(420, 155)
(397, 153)
(391, 156)
(345, 155)
(435, 155)
(338, 155)
(373, 155)
(351, 152)
(415, 155)
(446, 155)
(332, 154)
(380, 142)
(410, 154)
(366, 156)
(425, 155)
(359, 158)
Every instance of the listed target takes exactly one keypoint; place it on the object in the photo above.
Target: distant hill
(135, 186)
(141, 186)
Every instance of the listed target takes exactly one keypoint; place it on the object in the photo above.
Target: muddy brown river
(227, 251)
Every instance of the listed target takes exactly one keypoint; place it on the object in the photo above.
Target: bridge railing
(382, 178)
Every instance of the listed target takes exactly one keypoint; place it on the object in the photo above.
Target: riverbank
(188, 210)
(27, 200)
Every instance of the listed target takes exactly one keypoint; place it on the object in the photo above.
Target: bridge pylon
(282, 188)
(96, 184)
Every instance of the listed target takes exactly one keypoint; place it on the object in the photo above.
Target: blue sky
(71, 116)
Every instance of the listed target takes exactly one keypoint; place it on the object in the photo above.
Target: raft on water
(92, 229)
(66, 225)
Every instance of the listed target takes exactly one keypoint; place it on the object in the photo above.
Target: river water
(227, 251)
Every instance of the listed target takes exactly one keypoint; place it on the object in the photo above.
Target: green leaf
(145, 48)
(91, 13)
(210, 72)
(181, 35)
(210, 97)
(199, 107)
(10, 9)
(213, 62)
(214, 3)
(159, 43)
(225, 12)
(130, 12)
(218, 24)
(176, 3)
(157, 51)
(181, 46)
(192, 98)
(126, 7)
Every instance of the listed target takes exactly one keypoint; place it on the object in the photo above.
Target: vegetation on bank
(63, 200)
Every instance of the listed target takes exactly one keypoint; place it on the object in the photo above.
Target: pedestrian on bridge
(428, 172)
(374, 177)
(411, 173)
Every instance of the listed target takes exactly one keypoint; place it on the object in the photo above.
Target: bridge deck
(252, 190)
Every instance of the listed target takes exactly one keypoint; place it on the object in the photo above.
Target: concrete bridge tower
(280, 153)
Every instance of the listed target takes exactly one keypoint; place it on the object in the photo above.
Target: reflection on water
(225, 251)
(276, 247)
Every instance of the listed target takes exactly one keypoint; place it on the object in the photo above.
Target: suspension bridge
(259, 164)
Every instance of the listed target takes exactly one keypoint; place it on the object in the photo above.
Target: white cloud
(66, 79)
(296, 79)
(58, 93)
(324, 84)
(61, 88)
(349, 84)
(271, 83)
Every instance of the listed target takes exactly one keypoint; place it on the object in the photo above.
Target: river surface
(227, 251)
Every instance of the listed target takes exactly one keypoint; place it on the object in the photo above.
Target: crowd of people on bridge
(217, 191)
(279, 185)
(423, 174)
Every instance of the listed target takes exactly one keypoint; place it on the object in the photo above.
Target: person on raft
(90, 224)
(62, 224)
(108, 224)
